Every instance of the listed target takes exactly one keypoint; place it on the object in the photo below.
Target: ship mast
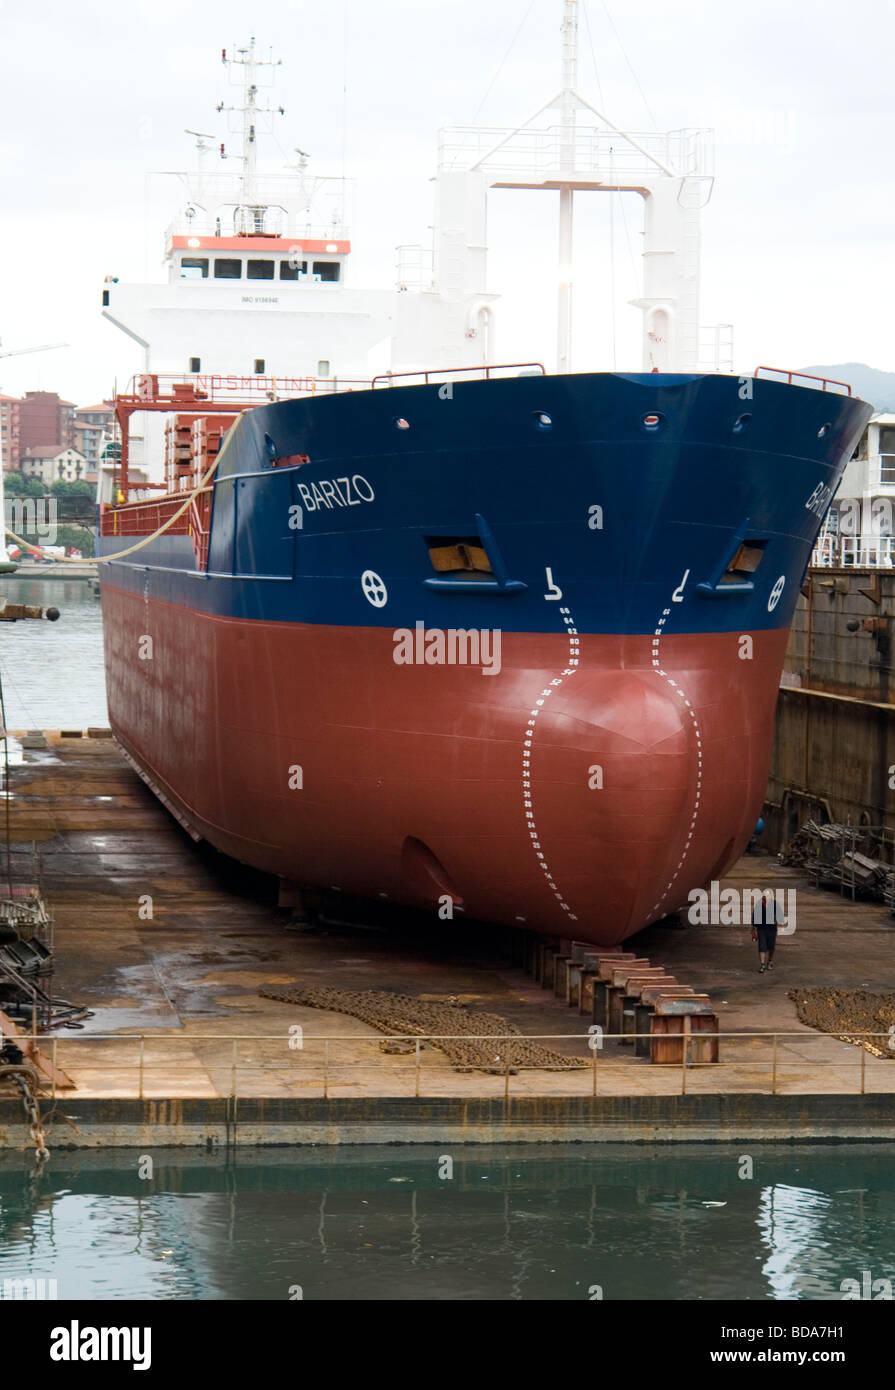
(568, 102)
(250, 113)
(582, 150)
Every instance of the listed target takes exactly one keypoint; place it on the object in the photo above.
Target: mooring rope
(120, 554)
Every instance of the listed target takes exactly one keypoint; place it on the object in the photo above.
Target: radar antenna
(249, 111)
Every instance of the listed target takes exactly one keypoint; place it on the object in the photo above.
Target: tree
(14, 484)
(77, 489)
(76, 536)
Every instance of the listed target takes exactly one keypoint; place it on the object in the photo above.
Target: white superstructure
(259, 268)
(259, 282)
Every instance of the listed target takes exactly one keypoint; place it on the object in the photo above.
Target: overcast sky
(797, 238)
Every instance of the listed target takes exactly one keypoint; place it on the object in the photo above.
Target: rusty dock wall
(221, 1122)
(834, 737)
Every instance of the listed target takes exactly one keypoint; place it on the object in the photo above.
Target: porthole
(824, 430)
(653, 422)
(740, 423)
(542, 419)
(402, 424)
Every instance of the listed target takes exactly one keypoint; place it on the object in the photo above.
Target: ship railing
(815, 383)
(415, 267)
(447, 374)
(199, 517)
(143, 517)
(310, 1065)
(590, 154)
(233, 391)
(285, 227)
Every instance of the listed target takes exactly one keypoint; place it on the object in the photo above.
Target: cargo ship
(468, 637)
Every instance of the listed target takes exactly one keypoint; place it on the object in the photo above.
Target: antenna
(568, 103)
(202, 148)
(249, 109)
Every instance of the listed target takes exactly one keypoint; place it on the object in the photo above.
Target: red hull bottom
(581, 792)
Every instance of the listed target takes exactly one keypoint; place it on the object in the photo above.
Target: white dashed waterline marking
(660, 671)
(569, 671)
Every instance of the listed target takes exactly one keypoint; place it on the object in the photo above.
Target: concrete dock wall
(213, 1123)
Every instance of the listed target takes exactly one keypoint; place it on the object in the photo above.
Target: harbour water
(53, 672)
(706, 1222)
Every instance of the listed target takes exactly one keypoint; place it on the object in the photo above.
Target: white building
(860, 526)
(51, 464)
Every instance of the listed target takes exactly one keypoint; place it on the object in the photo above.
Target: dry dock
(169, 945)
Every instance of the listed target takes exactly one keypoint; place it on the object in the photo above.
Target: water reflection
(816, 1239)
(53, 673)
(513, 1223)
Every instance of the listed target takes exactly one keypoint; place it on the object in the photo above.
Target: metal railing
(866, 551)
(800, 378)
(232, 391)
(485, 372)
(590, 150)
(319, 1060)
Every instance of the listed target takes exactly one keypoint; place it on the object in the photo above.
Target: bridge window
(259, 270)
(887, 454)
(195, 364)
(227, 269)
(290, 270)
(194, 268)
(327, 270)
(259, 366)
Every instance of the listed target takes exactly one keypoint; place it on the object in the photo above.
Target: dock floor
(188, 979)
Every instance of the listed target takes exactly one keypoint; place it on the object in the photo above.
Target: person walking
(765, 916)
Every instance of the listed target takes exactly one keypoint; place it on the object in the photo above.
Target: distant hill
(873, 386)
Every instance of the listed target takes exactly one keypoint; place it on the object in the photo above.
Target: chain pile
(24, 1078)
(403, 1013)
(849, 1012)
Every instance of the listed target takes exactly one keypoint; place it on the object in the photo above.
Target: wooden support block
(609, 962)
(668, 1005)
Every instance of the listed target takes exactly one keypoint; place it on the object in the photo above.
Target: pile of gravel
(403, 1013)
(848, 1012)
